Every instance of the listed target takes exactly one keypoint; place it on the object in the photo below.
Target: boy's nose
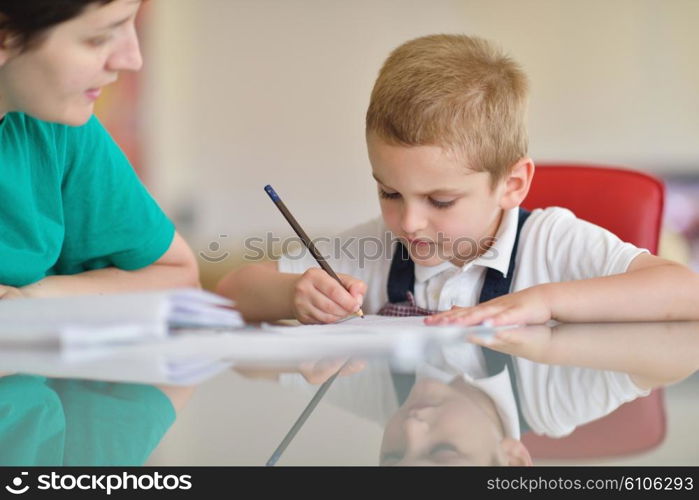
(422, 414)
(416, 433)
(412, 220)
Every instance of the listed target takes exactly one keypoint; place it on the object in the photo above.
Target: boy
(447, 142)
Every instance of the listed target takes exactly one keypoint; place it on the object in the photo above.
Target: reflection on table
(508, 397)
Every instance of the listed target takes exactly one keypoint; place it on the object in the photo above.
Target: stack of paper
(112, 318)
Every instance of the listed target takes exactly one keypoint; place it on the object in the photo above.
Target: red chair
(629, 204)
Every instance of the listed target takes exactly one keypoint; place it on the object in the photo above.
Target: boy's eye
(388, 196)
(391, 458)
(442, 204)
(444, 450)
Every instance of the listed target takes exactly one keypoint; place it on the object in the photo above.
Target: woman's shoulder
(22, 127)
(16, 123)
(17, 120)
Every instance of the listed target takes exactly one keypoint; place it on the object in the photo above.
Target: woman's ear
(4, 52)
(517, 183)
(8, 45)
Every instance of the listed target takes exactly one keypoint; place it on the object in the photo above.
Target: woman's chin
(74, 117)
(78, 119)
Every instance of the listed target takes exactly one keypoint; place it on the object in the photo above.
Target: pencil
(303, 417)
(304, 237)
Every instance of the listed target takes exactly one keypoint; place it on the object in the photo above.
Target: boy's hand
(315, 372)
(10, 292)
(529, 306)
(318, 298)
(532, 342)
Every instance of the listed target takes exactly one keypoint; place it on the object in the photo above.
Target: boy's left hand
(530, 342)
(315, 372)
(528, 306)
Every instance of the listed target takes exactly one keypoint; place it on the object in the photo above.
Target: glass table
(620, 393)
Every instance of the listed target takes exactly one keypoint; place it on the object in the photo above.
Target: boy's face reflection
(454, 424)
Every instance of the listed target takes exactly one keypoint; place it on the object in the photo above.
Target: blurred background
(236, 94)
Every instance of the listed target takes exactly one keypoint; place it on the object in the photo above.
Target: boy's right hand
(318, 298)
(314, 372)
(317, 372)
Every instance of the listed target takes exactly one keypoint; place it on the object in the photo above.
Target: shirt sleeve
(576, 249)
(364, 251)
(112, 424)
(110, 218)
(558, 399)
(352, 251)
(32, 423)
(368, 394)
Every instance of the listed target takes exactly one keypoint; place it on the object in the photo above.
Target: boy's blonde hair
(457, 92)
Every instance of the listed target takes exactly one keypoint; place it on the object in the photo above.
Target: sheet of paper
(378, 325)
(369, 321)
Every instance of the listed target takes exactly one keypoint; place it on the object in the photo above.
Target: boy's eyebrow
(444, 191)
(377, 179)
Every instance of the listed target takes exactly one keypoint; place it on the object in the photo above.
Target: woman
(75, 220)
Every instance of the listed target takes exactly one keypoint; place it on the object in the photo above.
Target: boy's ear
(517, 183)
(516, 454)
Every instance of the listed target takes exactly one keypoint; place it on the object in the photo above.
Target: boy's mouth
(420, 248)
(421, 405)
(419, 241)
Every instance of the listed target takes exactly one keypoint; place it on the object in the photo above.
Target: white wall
(241, 93)
(612, 81)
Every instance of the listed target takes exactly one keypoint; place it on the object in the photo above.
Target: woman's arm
(176, 268)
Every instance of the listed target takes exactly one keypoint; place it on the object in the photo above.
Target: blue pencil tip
(272, 193)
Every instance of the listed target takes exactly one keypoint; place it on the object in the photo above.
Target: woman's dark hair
(29, 19)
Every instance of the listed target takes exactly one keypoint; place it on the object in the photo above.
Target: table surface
(456, 412)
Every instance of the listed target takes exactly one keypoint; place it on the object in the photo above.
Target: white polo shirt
(554, 246)
(555, 399)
